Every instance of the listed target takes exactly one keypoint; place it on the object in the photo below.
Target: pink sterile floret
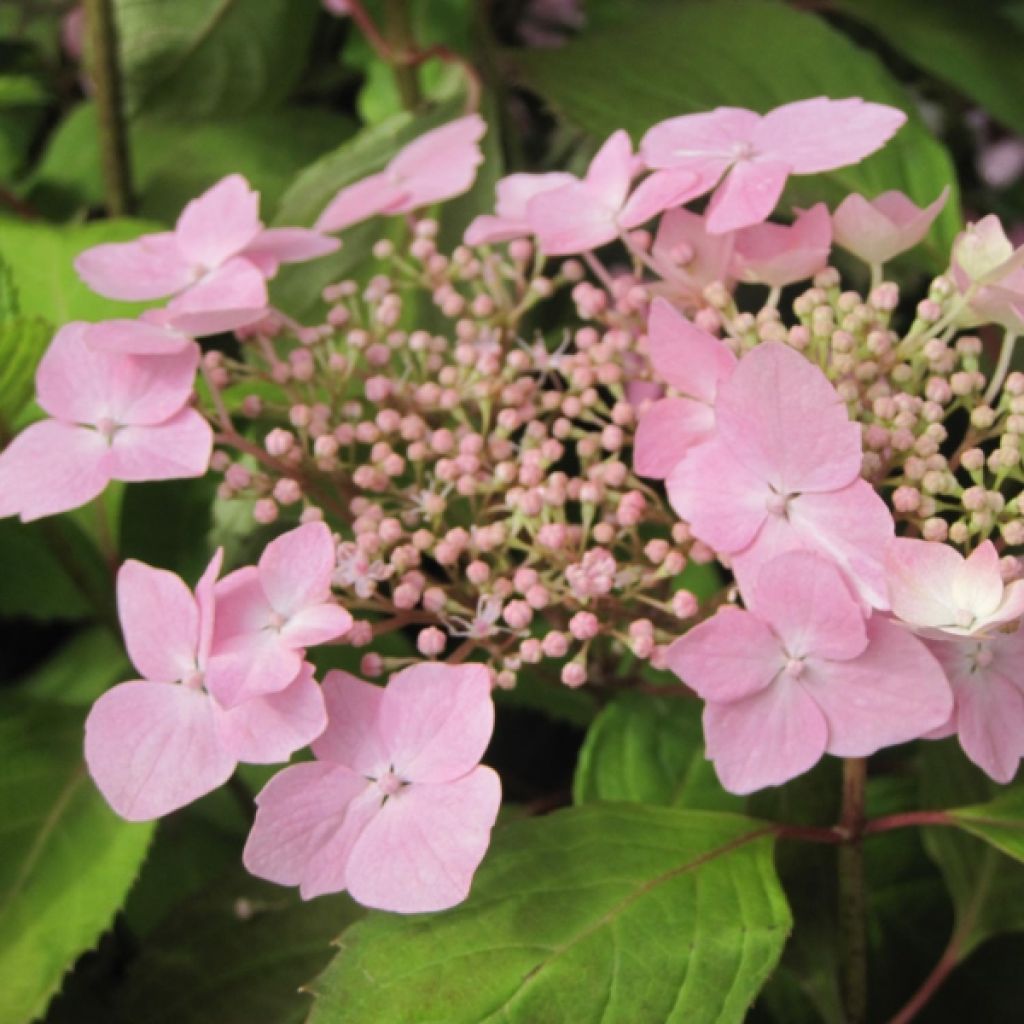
(268, 614)
(876, 230)
(780, 254)
(113, 417)
(756, 154)
(689, 256)
(215, 262)
(799, 673)
(988, 696)
(156, 744)
(438, 165)
(591, 212)
(695, 363)
(397, 808)
(987, 268)
(782, 472)
(509, 218)
(936, 591)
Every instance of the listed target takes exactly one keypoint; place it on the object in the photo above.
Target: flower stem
(1002, 366)
(852, 893)
(400, 38)
(106, 81)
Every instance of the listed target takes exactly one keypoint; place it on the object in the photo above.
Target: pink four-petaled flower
(397, 808)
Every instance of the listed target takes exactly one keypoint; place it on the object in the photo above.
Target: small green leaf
(647, 749)
(192, 58)
(1000, 822)
(616, 912)
(66, 860)
(750, 53)
(23, 340)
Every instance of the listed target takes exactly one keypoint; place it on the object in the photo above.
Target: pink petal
(710, 256)
(327, 870)
(766, 739)
(220, 223)
(361, 201)
(877, 231)
(778, 255)
(666, 431)
(436, 720)
(805, 600)
(135, 337)
(274, 246)
(892, 693)
(148, 268)
(724, 503)
(822, 134)
(727, 657)
(851, 526)
(316, 624)
(249, 666)
(920, 575)
(299, 809)
(977, 583)
(747, 195)
(659, 192)
(233, 295)
(702, 142)
(990, 721)
(295, 568)
(1012, 605)
(266, 730)
(779, 415)
(153, 747)
(353, 737)
(571, 219)
(242, 606)
(206, 603)
(610, 171)
(178, 448)
(160, 621)
(486, 229)
(516, 190)
(440, 164)
(420, 852)
(51, 467)
(688, 358)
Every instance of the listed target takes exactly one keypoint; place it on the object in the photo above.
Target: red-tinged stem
(949, 959)
(811, 834)
(909, 819)
(853, 937)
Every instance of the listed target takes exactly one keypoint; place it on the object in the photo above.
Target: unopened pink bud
(371, 665)
(684, 604)
(584, 626)
(431, 642)
(574, 675)
(555, 644)
(265, 511)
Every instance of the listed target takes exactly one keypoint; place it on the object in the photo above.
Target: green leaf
(23, 340)
(646, 749)
(976, 53)
(235, 953)
(987, 888)
(1000, 822)
(42, 258)
(194, 58)
(66, 860)
(90, 662)
(617, 912)
(750, 53)
(172, 162)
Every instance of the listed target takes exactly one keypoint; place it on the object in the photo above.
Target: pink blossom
(935, 590)
(438, 165)
(397, 808)
(799, 673)
(988, 697)
(750, 156)
(268, 614)
(357, 570)
(692, 257)
(215, 262)
(989, 272)
(591, 212)
(158, 743)
(509, 218)
(877, 230)
(113, 417)
(780, 254)
(782, 473)
(693, 362)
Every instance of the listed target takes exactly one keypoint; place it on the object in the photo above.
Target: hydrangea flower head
(799, 673)
(158, 743)
(112, 417)
(397, 808)
(752, 155)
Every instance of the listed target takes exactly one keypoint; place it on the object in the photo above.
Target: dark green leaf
(750, 53)
(90, 662)
(646, 749)
(66, 860)
(612, 912)
(1000, 822)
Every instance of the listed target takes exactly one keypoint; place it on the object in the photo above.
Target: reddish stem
(932, 983)
(908, 819)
